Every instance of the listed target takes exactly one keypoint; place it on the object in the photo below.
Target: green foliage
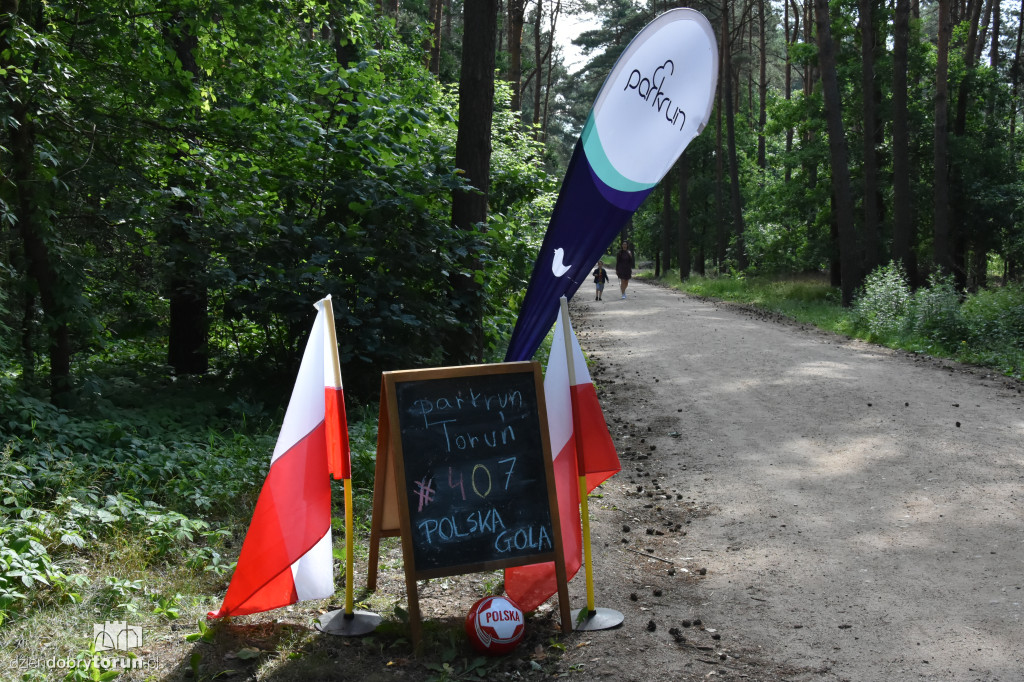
(143, 486)
(884, 305)
(308, 151)
(937, 314)
(994, 329)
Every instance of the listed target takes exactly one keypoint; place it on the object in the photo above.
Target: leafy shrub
(994, 324)
(936, 312)
(883, 305)
(995, 317)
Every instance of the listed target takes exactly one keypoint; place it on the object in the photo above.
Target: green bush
(884, 304)
(995, 318)
(936, 313)
(994, 329)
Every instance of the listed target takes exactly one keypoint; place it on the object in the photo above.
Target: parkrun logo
(650, 90)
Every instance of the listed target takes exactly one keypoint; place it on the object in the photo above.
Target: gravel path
(857, 511)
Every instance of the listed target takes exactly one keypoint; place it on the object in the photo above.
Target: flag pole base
(599, 619)
(353, 624)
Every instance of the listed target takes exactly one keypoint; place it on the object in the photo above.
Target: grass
(809, 299)
(806, 299)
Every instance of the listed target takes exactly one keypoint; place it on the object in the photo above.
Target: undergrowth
(111, 512)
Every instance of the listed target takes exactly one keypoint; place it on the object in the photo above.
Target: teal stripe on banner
(600, 164)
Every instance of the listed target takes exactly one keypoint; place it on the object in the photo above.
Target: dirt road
(856, 512)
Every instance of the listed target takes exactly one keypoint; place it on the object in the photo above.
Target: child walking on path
(600, 278)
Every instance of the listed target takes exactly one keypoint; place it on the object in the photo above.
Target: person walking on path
(624, 264)
(600, 279)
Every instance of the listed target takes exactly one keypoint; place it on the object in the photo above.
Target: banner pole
(349, 567)
(349, 622)
(570, 362)
(593, 618)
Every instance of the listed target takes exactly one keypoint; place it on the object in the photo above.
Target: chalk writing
(425, 492)
(474, 469)
(453, 527)
(523, 538)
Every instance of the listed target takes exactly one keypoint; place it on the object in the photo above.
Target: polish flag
(287, 553)
(581, 445)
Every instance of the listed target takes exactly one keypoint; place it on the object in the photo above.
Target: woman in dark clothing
(624, 267)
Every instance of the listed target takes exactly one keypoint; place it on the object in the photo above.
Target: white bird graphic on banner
(557, 268)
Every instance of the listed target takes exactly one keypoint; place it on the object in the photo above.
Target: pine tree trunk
(30, 208)
(735, 200)
(683, 238)
(473, 156)
(872, 245)
(788, 94)
(843, 208)
(722, 233)
(903, 220)
(436, 13)
(762, 117)
(1015, 78)
(666, 222)
(189, 326)
(942, 246)
(516, 19)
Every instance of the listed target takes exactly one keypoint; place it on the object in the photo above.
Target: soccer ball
(495, 625)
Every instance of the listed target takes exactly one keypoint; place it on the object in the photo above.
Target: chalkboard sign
(474, 477)
(464, 471)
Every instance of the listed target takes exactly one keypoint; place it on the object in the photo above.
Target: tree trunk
(736, 202)
(722, 233)
(872, 245)
(993, 55)
(942, 245)
(971, 60)
(666, 222)
(188, 335)
(473, 156)
(516, 19)
(539, 65)
(1016, 73)
(903, 220)
(762, 117)
(436, 14)
(683, 238)
(843, 208)
(788, 94)
(30, 208)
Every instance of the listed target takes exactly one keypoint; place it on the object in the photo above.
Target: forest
(182, 180)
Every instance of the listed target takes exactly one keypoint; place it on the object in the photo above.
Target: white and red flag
(287, 554)
(581, 446)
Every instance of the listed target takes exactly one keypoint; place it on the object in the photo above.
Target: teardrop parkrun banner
(657, 98)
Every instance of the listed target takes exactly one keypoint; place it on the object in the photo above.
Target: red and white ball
(495, 625)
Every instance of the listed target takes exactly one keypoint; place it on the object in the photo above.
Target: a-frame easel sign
(464, 475)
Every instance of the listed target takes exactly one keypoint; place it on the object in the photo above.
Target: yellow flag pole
(570, 362)
(352, 623)
(594, 618)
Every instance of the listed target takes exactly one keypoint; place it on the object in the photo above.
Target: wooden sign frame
(391, 513)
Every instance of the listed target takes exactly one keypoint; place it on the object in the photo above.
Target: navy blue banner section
(587, 216)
